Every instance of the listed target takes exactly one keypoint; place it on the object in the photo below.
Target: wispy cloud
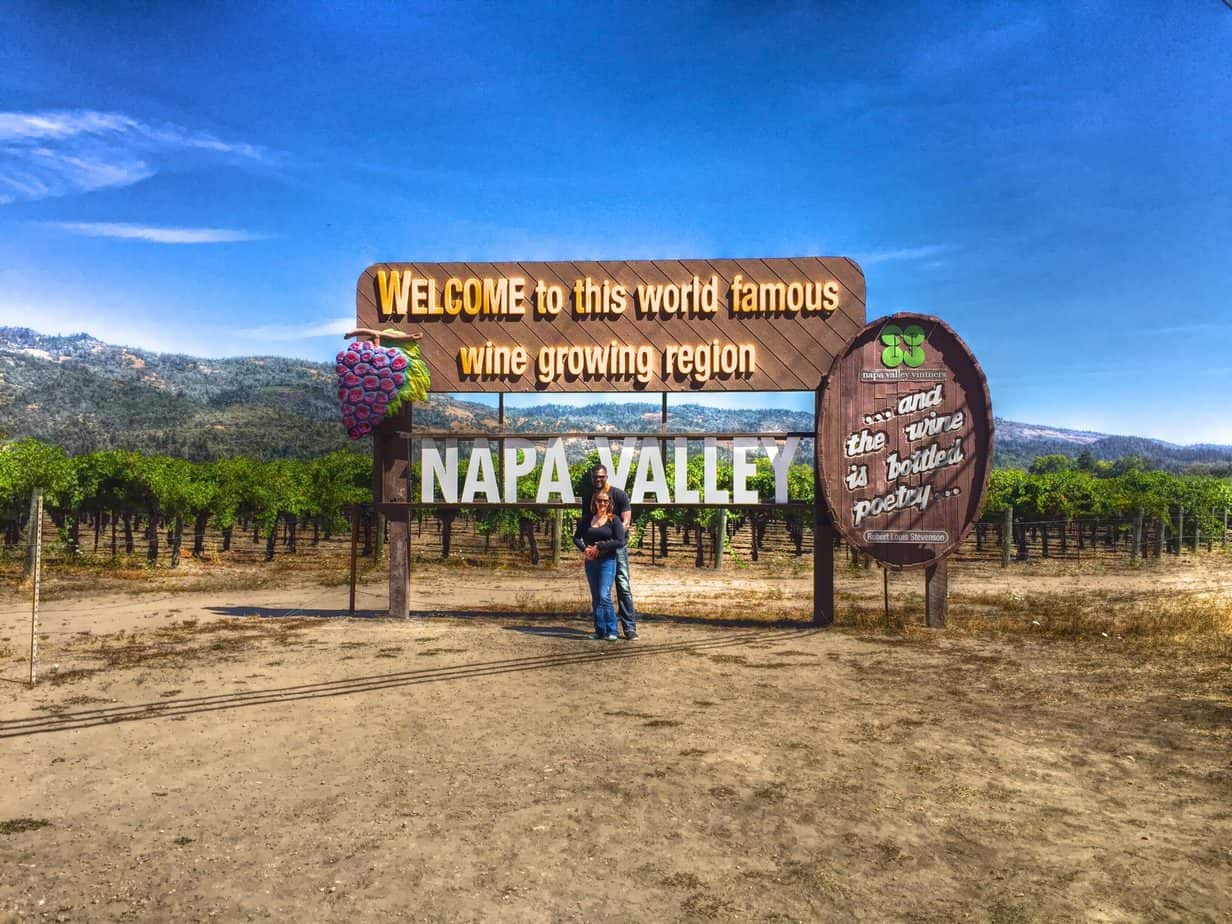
(48, 154)
(903, 253)
(1167, 329)
(156, 235)
(284, 332)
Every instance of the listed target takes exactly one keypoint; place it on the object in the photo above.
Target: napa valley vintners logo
(903, 346)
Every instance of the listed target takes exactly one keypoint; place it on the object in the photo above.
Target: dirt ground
(255, 755)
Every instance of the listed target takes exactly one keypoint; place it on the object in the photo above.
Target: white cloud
(903, 253)
(48, 154)
(283, 332)
(155, 234)
(40, 125)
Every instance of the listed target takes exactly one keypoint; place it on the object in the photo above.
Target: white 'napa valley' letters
(440, 472)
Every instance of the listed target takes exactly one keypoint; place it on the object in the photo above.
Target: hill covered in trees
(84, 395)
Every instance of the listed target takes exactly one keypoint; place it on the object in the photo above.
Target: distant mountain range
(83, 394)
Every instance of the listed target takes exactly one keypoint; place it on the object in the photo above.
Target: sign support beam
(936, 587)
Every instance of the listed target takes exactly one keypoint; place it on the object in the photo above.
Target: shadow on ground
(177, 709)
(275, 612)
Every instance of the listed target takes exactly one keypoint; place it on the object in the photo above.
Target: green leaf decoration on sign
(415, 388)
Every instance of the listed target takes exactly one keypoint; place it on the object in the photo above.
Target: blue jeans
(624, 592)
(599, 575)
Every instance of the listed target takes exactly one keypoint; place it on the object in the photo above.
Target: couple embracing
(601, 538)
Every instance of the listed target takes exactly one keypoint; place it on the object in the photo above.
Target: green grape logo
(903, 347)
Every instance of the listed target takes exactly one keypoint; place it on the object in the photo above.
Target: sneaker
(613, 638)
(594, 637)
(630, 636)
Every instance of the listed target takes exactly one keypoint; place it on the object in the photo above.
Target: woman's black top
(606, 538)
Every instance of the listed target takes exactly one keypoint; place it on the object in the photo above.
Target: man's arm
(626, 515)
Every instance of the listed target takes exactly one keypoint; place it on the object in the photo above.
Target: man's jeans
(624, 592)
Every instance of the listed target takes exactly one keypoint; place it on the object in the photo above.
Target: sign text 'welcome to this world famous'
(642, 325)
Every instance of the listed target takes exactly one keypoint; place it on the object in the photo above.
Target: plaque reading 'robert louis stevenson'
(905, 440)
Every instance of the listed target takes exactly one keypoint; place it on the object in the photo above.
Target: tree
(1056, 462)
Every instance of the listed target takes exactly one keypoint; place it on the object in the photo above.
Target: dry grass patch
(176, 645)
(18, 825)
(1194, 621)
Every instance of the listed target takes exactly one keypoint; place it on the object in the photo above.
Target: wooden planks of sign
(904, 443)
(772, 324)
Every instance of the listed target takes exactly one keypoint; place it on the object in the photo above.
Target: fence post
(1223, 541)
(1161, 536)
(1007, 536)
(1138, 533)
(720, 538)
(558, 516)
(1180, 528)
(354, 556)
(379, 539)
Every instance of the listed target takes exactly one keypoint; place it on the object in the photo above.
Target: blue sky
(1053, 180)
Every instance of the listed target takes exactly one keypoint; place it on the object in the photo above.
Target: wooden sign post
(905, 446)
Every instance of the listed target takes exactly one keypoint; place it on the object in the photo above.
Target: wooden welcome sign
(771, 324)
(904, 442)
(903, 429)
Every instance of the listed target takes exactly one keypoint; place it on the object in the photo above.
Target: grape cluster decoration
(373, 381)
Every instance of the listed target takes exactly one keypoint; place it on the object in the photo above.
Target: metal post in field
(1137, 551)
(36, 556)
(28, 567)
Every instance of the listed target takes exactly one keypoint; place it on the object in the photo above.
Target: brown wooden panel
(793, 348)
(870, 423)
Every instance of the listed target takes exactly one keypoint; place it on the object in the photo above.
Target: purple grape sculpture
(373, 381)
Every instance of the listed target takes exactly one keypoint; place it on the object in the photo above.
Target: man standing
(621, 508)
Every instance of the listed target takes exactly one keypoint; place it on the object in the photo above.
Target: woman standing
(597, 537)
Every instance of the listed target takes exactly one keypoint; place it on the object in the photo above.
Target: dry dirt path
(196, 763)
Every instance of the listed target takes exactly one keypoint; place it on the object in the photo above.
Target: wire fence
(748, 538)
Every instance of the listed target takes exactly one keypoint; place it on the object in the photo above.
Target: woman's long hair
(608, 515)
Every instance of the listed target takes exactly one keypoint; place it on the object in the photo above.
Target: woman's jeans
(599, 575)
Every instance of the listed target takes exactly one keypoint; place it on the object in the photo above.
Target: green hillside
(83, 395)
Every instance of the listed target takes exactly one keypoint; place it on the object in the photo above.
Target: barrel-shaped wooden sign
(904, 440)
